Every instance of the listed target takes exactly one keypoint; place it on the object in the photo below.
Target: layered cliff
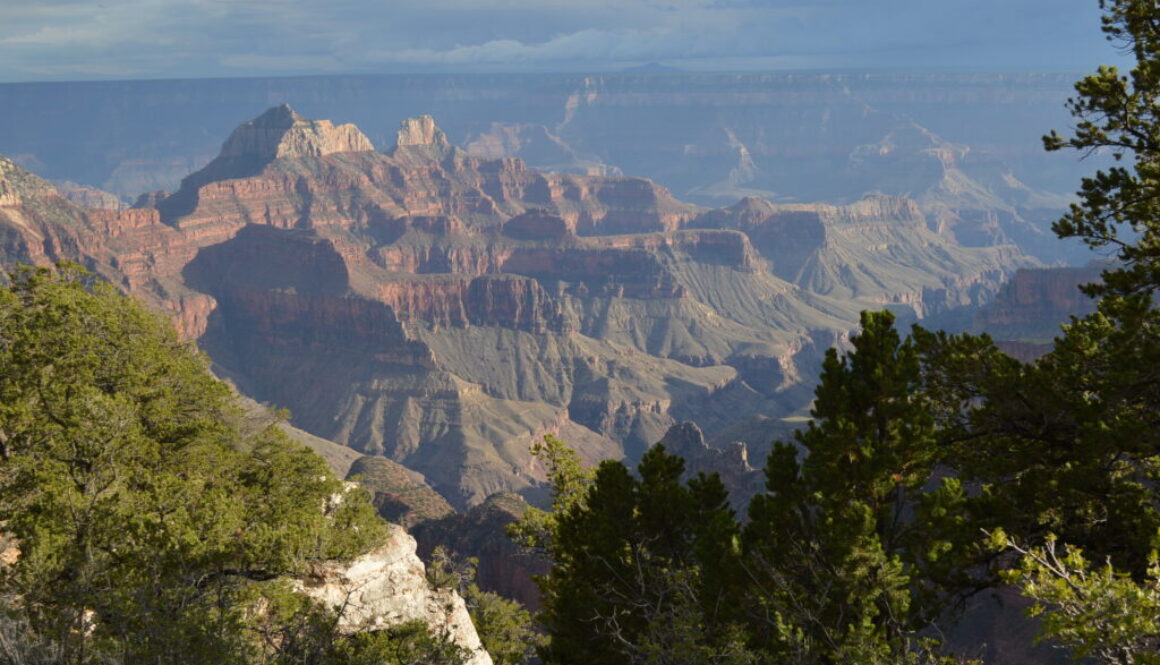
(878, 252)
(1034, 303)
(445, 310)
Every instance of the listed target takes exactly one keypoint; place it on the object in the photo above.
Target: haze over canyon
(596, 257)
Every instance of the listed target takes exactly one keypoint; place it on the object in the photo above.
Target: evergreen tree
(841, 547)
(149, 526)
(1120, 207)
(1067, 449)
(640, 568)
(1100, 614)
(1066, 445)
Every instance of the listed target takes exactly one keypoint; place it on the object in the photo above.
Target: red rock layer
(300, 250)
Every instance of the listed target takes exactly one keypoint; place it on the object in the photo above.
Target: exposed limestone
(281, 132)
(420, 140)
(387, 587)
(420, 131)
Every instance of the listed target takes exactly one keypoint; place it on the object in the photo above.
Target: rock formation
(37, 224)
(962, 144)
(730, 463)
(387, 587)
(445, 310)
(402, 496)
(1035, 302)
(282, 132)
(877, 251)
(421, 131)
(481, 533)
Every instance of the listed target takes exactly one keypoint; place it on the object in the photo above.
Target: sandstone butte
(446, 310)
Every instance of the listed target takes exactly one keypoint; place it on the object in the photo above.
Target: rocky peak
(277, 133)
(420, 137)
(751, 209)
(421, 131)
(685, 439)
(282, 132)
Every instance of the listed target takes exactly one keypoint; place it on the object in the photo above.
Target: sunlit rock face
(965, 146)
(387, 587)
(446, 310)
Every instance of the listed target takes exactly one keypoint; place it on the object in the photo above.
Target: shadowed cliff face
(1026, 314)
(446, 310)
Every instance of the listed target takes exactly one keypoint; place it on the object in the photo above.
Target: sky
(138, 39)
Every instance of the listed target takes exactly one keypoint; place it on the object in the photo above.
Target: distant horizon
(629, 71)
(131, 40)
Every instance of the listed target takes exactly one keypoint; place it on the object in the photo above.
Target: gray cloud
(80, 39)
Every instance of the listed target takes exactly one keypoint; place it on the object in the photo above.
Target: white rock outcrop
(388, 586)
(420, 131)
(282, 132)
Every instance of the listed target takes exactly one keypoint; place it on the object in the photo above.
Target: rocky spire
(421, 131)
(421, 138)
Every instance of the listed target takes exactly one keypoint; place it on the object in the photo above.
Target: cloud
(179, 38)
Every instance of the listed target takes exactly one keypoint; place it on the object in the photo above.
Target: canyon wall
(445, 310)
(964, 145)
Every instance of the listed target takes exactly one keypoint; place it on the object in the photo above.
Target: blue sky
(132, 39)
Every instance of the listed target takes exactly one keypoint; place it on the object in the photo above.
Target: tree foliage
(1067, 444)
(844, 547)
(569, 480)
(1120, 113)
(1098, 612)
(150, 527)
(640, 569)
(1081, 451)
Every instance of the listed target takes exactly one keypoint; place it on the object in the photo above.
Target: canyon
(963, 145)
(445, 309)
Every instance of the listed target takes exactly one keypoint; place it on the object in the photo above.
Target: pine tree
(639, 570)
(836, 554)
(150, 527)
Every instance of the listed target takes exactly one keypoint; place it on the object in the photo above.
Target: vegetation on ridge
(141, 522)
